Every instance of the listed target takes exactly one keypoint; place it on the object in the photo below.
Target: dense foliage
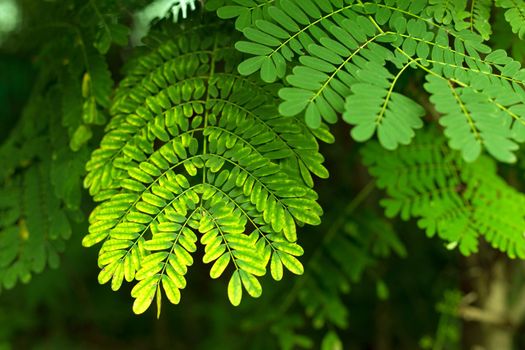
(172, 132)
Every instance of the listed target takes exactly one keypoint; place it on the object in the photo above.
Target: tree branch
(476, 314)
(517, 311)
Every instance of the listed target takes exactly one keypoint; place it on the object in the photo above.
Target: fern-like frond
(342, 51)
(346, 50)
(514, 14)
(290, 28)
(468, 112)
(33, 226)
(472, 15)
(35, 197)
(479, 18)
(461, 14)
(487, 108)
(448, 11)
(196, 152)
(491, 78)
(40, 177)
(456, 200)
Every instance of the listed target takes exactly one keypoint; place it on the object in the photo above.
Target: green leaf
(144, 293)
(276, 267)
(219, 266)
(252, 48)
(331, 341)
(251, 284)
(171, 290)
(251, 65)
(291, 263)
(81, 135)
(111, 33)
(235, 289)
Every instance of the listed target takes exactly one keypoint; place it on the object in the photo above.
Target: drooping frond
(33, 227)
(43, 157)
(456, 200)
(461, 14)
(34, 223)
(196, 152)
(352, 56)
(489, 94)
(341, 48)
(479, 17)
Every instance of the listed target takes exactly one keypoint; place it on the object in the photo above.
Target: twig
(472, 313)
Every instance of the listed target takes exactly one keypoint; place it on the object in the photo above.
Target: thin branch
(472, 313)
